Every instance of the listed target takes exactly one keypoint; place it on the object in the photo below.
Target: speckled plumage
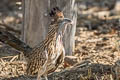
(49, 54)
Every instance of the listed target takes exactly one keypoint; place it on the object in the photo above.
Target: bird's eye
(61, 16)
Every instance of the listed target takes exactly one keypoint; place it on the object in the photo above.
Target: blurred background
(97, 36)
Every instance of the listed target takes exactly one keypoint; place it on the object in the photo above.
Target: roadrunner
(49, 54)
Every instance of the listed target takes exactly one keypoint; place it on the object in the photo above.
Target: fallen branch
(70, 61)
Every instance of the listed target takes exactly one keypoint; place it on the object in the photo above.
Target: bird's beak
(69, 21)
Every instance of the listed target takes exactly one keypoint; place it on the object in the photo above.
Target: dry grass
(98, 49)
(99, 46)
(11, 67)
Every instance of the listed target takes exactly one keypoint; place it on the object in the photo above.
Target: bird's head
(58, 18)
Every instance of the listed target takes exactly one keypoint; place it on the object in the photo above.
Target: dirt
(97, 40)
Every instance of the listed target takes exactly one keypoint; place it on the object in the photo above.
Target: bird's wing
(59, 60)
(38, 61)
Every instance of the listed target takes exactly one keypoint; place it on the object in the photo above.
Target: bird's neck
(51, 36)
(55, 33)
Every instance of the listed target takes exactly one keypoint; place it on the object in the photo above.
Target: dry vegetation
(97, 45)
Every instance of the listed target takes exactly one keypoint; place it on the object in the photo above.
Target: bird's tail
(9, 39)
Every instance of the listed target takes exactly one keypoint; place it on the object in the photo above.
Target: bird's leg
(41, 72)
(45, 76)
(39, 77)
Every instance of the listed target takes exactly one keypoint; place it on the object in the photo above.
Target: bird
(45, 57)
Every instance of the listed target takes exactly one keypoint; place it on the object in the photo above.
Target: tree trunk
(36, 21)
(117, 7)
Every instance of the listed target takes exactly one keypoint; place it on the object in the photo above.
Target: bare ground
(97, 42)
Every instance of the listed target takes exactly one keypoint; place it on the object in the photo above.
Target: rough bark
(36, 21)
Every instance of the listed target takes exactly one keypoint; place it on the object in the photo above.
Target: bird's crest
(56, 13)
